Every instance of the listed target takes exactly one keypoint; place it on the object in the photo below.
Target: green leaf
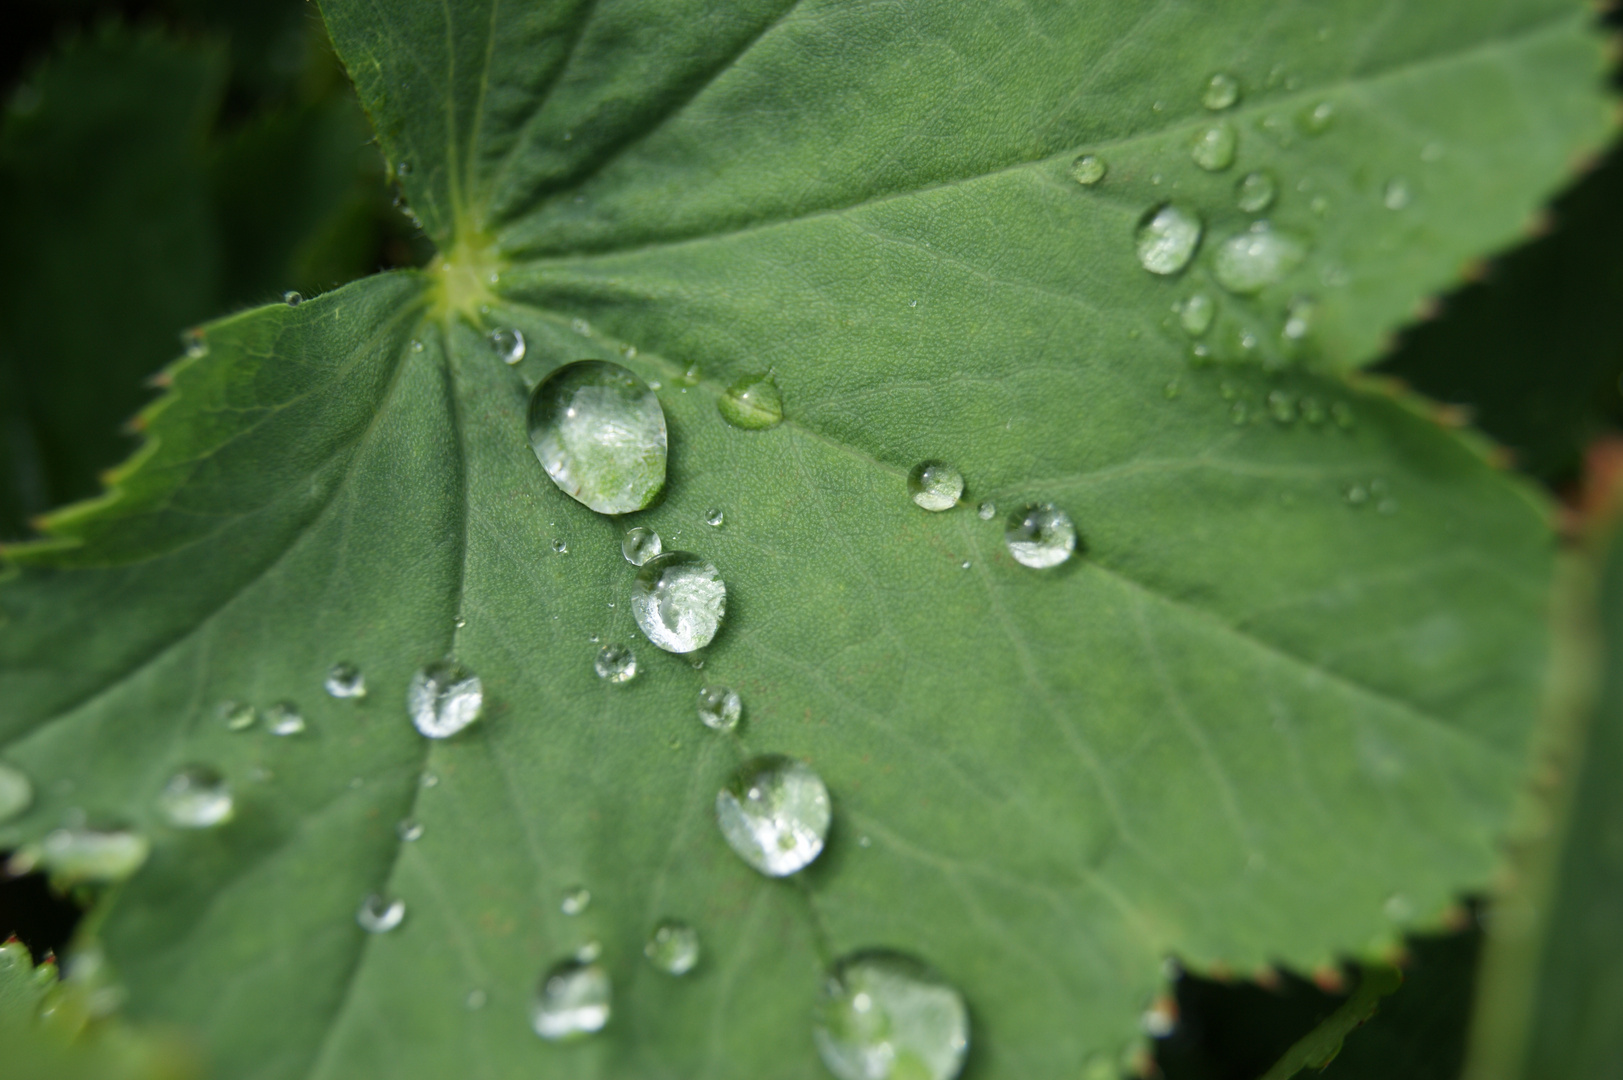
(1274, 709)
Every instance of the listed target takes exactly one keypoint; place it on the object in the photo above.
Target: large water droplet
(1167, 238)
(640, 545)
(753, 402)
(720, 707)
(1256, 192)
(576, 900)
(679, 601)
(1088, 169)
(1214, 146)
(444, 698)
(1221, 92)
(196, 797)
(379, 914)
(935, 485)
(284, 718)
(1040, 535)
(599, 431)
(1196, 313)
(85, 854)
(573, 1000)
(237, 715)
(774, 813)
(673, 947)
(345, 681)
(886, 1016)
(16, 792)
(508, 344)
(1257, 258)
(615, 663)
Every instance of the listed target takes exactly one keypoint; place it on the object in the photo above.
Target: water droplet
(1088, 169)
(753, 403)
(284, 718)
(1261, 256)
(573, 1000)
(1040, 535)
(379, 915)
(689, 377)
(16, 792)
(1160, 1019)
(292, 298)
(1256, 192)
(679, 601)
(403, 169)
(581, 327)
(1398, 908)
(475, 1000)
(1281, 407)
(444, 698)
(1171, 390)
(640, 545)
(194, 344)
(774, 814)
(1221, 92)
(1196, 313)
(560, 546)
(1317, 118)
(1167, 238)
(1214, 146)
(416, 346)
(935, 485)
(81, 853)
(1431, 152)
(887, 1016)
(1299, 318)
(345, 681)
(720, 707)
(616, 663)
(1396, 195)
(508, 344)
(600, 433)
(428, 780)
(237, 715)
(409, 829)
(1356, 494)
(576, 900)
(673, 947)
(714, 517)
(986, 511)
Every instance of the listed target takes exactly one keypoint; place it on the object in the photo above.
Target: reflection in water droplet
(599, 431)
(1088, 169)
(1167, 238)
(640, 545)
(16, 792)
(444, 698)
(935, 485)
(1040, 535)
(986, 511)
(1221, 92)
(508, 343)
(379, 915)
(292, 299)
(887, 1016)
(573, 1000)
(1395, 195)
(753, 403)
(616, 663)
(1251, 261)
(720, 707)
(1196, 313)
(576, 900)
(409, 829)
(1255, 192)
(679, 601)
(715, 517)
(284, 718)
(237, 715)
(774, 813)
(345, 681)
(195, 797)
(1214, 146)
(673, 947)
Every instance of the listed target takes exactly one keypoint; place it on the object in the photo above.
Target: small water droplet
(444, 698)
(1171, 390)
(1088, 169)
(581, 327)
(194, 344)
(1356, 494)
(292, 298)
(345, 680)
(1160, 1019)
(196, 797)
(1261, 256)
(237, 715)
(1342, 414)
(753, 403)
(864, 841)
(83, 853)
(1431, 152)
(1398, 908)
(1214, 146)
(284, 718)
(1040, 535)
(714, 517)
(640, 545)
(16, 792)
(379, 915)
(1221, 92)
(508, 344)
(616, 664)
(1256, 192)
(1167, 238)
(475, 1000)
(935, 485)
(1396, 194)
(560, 546)
(720, 707)
(887, 1015)
(673, 947)
(1281, 407)
(1196, 313)
(1317, 118)
(774, 813)
(986, 511)
(402, 169)
(428, 780)
(679, 601)
(574, 999)
(599, 432)
(409, 829)
(1299, 318)
(576, 900)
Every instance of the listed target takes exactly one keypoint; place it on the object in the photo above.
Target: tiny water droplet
(673, 947)
(16, 792)
(379, 915)
(864, 841)
(1221, 92)
(774, 813)
(1167, 237)
(195, 797)
(1261, 256)
(1356, 494)
(409, 829)
(714, 517)
(1281, 407)
(640, 545)
(237, 715)
(1299, 318)
(428, 780)
(1196, 313)
(1040, 535)
(576, 900)
(1396, 195)
(720, 707)
(885, 1016)
(194, 344)
(986, 511)
(690, 376)
(284, 718)
(1214, 146)
(345, 680)
(599, 432)
(508, 344)
(560, 546)
(574, 999)
(1256, 192)
(935, 485)
(753, 403)
(416, 346)
(443, 698)
(292, 298)
(616, 664)
(1317, 118)
(475, 1000)
(402, 169)
(1171, 390)
(1398, 908)
(1088, 169)
(679, 601)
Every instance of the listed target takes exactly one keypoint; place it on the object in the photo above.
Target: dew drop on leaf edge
(753, 403)
(679, 601)
(774, 813)
(884, 1014)
(720, 708)
(574, 999)
(195, 797)
(1167, 237)
(599, 432)
(443, 698)
(673, 947)
(935, 485)
(1040, 535)
(380, 914)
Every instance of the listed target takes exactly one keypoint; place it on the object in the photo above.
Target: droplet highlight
(1040, 536)
(443, 698)
(935, 485)
(1167, 238)
(576, 900)
(887, 1016)
(774, 813)
(752, 403)
(344, 681)
(599, 432)
(284, 718)
(379, 914)
(574, 1000)
(673, 947)
(679, 601)
(196, 797)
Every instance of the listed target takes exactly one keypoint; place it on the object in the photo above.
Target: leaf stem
(1320, 1046)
